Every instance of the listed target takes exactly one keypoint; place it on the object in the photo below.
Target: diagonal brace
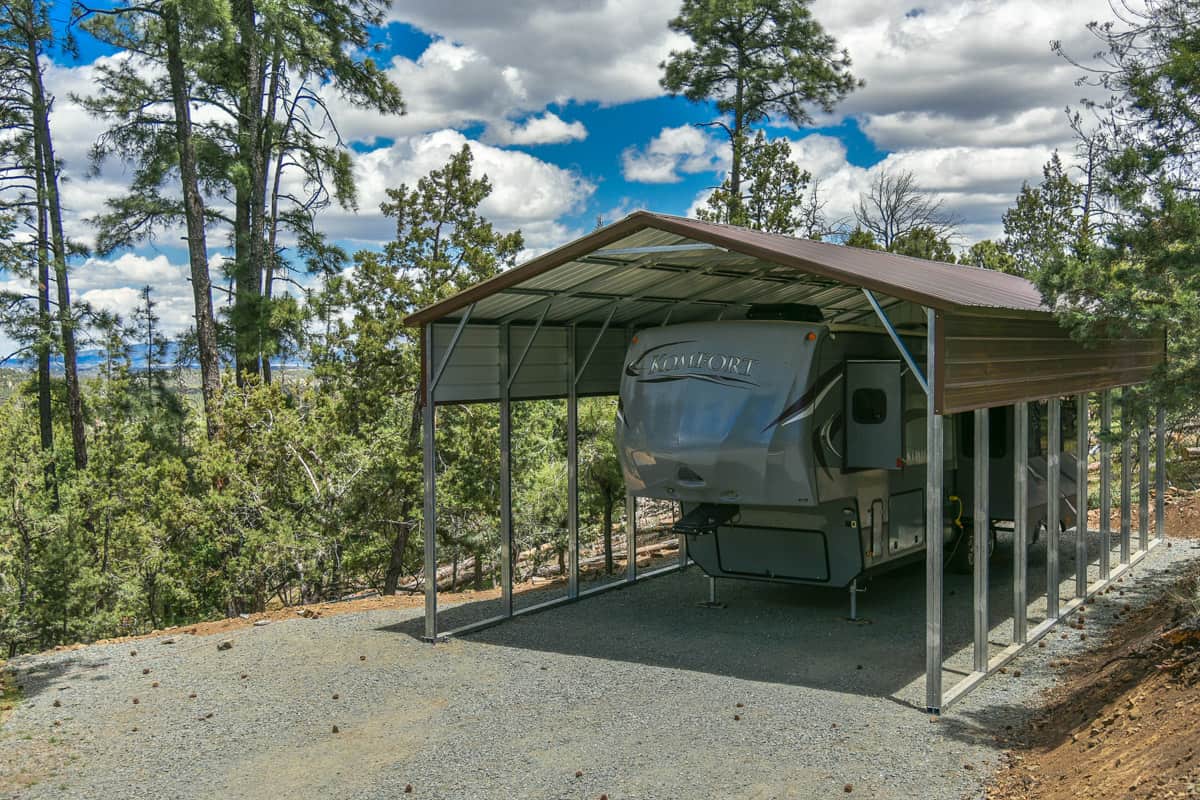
(907, 356)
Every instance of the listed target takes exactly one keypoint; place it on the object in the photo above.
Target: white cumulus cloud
(545, 128)
(672, 153)
(604, 51)
(527, 192)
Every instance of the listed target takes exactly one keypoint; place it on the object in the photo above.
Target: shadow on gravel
(44, 676)
(795, 635)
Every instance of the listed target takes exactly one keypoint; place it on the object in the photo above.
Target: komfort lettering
(713, 362)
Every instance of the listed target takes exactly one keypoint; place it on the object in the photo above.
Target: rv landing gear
(854, 593)
(712, 595)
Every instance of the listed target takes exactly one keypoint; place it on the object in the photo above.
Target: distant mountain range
(90, 360)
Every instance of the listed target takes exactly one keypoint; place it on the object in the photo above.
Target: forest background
(270, 453)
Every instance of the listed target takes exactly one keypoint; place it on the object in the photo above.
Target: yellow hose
(958, 515)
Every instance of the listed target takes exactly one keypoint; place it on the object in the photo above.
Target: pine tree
(754, 59)
(25, 37)
(442, 245)
(774, 198)
(1131, 267)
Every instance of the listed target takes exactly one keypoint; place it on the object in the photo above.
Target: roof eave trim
(640, 220)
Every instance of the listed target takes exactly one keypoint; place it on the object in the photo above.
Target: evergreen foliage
(754, 59)
(128, 501)
(1122, 256)
(774, 197)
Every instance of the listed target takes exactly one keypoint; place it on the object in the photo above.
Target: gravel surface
(637, 689)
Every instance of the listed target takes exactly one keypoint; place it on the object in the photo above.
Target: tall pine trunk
(250, 213)
(737, 140)
(44, 146)
(193, 209)
(397, 547)
(270, 222)
(45, 330)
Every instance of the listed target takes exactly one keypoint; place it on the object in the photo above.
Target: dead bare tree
(814, 223)
(895, 205)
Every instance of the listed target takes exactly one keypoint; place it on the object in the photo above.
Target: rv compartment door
(874, 417)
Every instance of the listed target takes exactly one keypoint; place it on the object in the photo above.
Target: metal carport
(557, 327)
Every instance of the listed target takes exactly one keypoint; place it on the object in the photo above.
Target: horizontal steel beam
(659, 248)
(491, 622)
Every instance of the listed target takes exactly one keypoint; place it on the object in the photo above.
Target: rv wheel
(962, 553)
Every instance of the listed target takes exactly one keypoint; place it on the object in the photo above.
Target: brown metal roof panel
(575, 272)
(952, 283)
(930, 283)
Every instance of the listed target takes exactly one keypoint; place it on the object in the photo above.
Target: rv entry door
(874, 417)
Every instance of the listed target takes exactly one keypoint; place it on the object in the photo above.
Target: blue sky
(561, 106)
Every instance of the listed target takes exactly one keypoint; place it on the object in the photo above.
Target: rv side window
(869, 406)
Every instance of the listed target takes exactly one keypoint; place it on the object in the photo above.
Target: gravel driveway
(637, 689)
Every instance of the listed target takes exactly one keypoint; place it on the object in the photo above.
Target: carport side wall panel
(472, 374)
(995, 361)
(987, 361)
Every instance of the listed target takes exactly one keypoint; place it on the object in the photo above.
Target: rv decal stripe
(809, 401)
(723, 380)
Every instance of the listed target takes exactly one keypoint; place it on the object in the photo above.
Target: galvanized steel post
(506, 535)
(427, 432)
(572, 470)
(631, 505)
(1053, 508)
(630, 538)
(1160, 473)
(1144, 485)
(982, 537)
(1081, 495)
(1020, 521)
(1126, 476)
(934, 529)
(1105, 484)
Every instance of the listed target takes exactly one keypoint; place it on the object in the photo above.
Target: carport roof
(718, 264)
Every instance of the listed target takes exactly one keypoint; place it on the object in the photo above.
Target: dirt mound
(1183, 514)
(1124, 722)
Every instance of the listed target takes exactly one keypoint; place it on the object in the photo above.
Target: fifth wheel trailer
(797, 449)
